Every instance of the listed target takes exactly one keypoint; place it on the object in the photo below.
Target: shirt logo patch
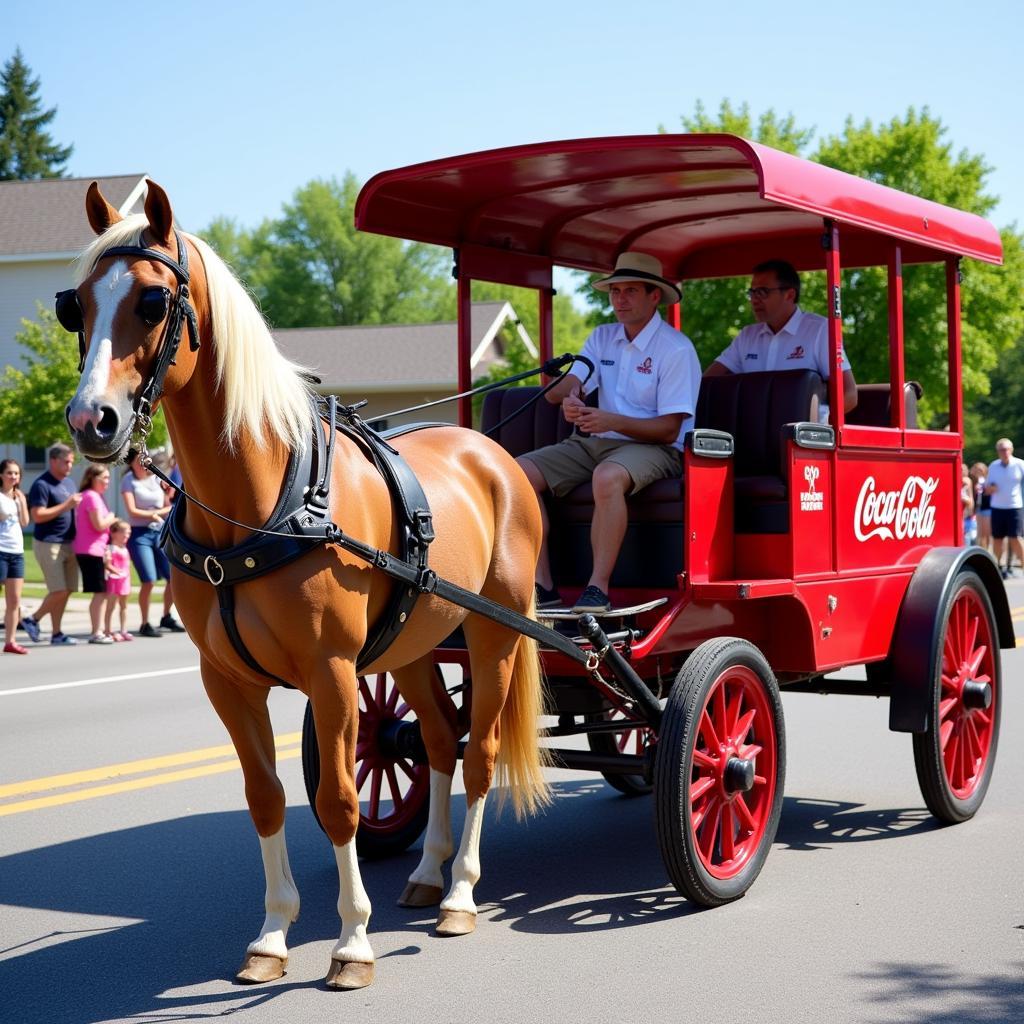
(607, 362)
(645, 366)
(797, 353)
(752, 355)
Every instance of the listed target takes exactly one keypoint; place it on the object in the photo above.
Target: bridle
(155, 304)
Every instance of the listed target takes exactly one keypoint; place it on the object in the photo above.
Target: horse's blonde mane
(263, 392)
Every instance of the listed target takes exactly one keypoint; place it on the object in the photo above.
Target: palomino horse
(235, 409)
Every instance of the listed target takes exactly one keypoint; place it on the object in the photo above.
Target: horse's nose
(103, 419)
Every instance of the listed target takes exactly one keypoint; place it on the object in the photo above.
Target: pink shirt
(88, 540)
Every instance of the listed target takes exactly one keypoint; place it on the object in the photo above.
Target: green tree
(26, 150)
(311, 268)
(32, 400)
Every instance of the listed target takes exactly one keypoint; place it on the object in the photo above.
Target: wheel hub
(738, 776)
(398, 740)
(976, 696)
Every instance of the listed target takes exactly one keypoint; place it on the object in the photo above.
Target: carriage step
(615, 613)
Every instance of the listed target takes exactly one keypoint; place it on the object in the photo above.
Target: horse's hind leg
(243, 710)
(335, 703)
(423, 691)
(492, 652)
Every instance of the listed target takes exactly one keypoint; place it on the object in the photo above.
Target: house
(394, 366)
(42, 229)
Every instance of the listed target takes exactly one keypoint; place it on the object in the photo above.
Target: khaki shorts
(58, 563)
(572, 462)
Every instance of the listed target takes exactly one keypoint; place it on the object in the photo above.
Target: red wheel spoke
(718, 701)
(379, 690)
(739, 805)
(732, 713)
(364, 770)
(700, 787)
(375, 782)
(728, 833)
(392, 701)
(749, 753)
(707, 727)
(946, 706)
(975, 666)
(698, 815)
(407, 768)
(944, 733)
(364, 691)
(396, 792)
(971, 639)
(743, 726)
(706, 839)
(702, 760)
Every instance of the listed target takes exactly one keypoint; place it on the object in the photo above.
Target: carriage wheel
(392, 777)
(719, 771)
(954, 757)
(629, 741)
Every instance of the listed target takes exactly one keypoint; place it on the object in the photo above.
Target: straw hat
(638, 266)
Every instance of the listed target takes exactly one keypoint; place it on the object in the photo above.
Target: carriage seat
(874, 405)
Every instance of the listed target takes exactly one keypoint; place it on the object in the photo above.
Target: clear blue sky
(232, 106)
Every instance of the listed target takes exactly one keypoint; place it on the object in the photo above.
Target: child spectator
(92, 530)
(119, 578)
(13, 517)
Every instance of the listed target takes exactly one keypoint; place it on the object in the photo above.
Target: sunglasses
(763, 293)
(152, 308)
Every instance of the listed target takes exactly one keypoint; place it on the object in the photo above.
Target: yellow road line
(149, 764)
(57, 799)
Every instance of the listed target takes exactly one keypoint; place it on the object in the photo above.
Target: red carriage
(787, 551)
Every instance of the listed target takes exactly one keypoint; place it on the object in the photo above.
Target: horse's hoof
(416, 894)
(258, 968)
(455, 922)
(348, 974)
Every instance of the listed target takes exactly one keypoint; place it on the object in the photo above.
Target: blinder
(156, 303)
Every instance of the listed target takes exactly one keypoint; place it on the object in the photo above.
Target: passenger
(649, 375)
(784, 337)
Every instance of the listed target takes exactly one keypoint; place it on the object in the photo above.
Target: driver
(649, 375)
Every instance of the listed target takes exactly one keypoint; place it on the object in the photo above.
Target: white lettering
(896, 515)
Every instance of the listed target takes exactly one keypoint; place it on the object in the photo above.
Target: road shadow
(928, 993)
(195, 888)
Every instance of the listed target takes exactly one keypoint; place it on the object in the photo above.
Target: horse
(236, 409)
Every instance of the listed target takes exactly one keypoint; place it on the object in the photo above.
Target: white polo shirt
(1008, 479)
(802, 344)
(655, 374)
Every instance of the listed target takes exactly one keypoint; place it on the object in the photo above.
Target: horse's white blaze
(466, 866)
(438, 844)
(353, 908)
(282, 899)
(109, 292)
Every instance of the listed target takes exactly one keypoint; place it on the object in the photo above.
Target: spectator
(148, 506)
(118, 564)
(92, 529)
(13, 518)
(967, 504)
(1003, 484)
(52, 501)
(982, 506)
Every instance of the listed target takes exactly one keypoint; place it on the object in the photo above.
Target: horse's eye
(153, 305)
(69, 312)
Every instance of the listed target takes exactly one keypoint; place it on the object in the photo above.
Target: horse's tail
(521, 758)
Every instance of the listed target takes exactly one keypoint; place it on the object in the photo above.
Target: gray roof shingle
(48, 216)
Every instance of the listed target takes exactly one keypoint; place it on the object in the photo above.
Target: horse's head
(131, 308)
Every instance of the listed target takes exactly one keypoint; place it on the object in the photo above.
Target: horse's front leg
(335, 703)
(242, 708)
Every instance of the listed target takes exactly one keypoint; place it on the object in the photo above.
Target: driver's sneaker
(593, 600)
(63, 640)
(30, 626)
(548, 598)
(171, 624)
(13, 648)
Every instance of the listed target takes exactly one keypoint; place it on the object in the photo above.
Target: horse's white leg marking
(438, 844)
(282, 900)
(108, 292)
(353, 908)
(466, 866)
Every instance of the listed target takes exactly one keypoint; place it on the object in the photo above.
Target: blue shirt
(46, 492)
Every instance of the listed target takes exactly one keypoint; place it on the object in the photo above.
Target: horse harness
(301, 520)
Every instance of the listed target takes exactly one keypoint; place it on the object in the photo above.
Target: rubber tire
(372, 845)
(608, 743)
(938, 795)
(677, 740)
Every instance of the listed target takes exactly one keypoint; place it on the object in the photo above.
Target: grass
(35, 586)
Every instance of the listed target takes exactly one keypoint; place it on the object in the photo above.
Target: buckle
(424, 521)
(211, 566)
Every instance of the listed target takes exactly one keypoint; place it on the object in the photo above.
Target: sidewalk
(76, 618)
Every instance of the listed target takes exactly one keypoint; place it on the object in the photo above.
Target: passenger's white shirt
(655, 374)
(1008, 479)
(802, 344)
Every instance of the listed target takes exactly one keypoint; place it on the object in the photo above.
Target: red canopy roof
(705, 205)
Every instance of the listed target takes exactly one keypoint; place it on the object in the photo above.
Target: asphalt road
(129, 893)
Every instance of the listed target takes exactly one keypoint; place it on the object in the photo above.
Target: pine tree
(26, 150)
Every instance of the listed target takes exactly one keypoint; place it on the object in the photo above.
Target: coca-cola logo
(896, 515)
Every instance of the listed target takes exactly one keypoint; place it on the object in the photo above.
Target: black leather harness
(302, 519)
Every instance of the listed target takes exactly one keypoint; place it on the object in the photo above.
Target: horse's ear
(159, 214)
(100, 213)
